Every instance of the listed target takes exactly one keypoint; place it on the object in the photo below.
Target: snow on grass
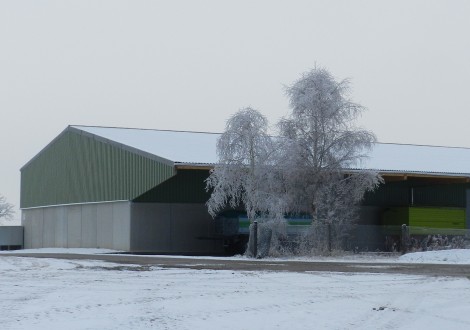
(455, 256)
(48, 293)
(66, 294)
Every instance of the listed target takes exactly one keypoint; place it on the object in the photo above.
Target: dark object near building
(11, 237)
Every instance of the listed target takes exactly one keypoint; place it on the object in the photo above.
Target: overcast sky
(189, 65)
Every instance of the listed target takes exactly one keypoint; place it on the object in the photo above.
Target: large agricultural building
(143, 190)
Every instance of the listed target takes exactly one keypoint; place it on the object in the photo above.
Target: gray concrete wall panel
(191, 228)
(155, 227)
(104, 225)
(151, 227)
(61, 227)
(104, 233)
(51, 217)
(37, 226)
(173, 228)
(89, 225)
(74, 226)
(121, 226)
(28, 230)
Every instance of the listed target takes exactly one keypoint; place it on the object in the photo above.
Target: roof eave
(385, 173)
(194, 166)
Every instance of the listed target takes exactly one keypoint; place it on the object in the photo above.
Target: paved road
(266, 265)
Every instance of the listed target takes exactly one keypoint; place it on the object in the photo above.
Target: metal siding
(395, 194)
(388, 194)
(430, 217)
(440, 195)
(76, 168)
(396, 216)
(187, 186)
(437, 217)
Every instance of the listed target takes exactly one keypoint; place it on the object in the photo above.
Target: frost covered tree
(311, 167)
(6, 209)
(239, 179)
(323, 149)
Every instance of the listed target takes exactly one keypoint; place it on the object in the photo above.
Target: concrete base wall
(102, 225)
(173, 228)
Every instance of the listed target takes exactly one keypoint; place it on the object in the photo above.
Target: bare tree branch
(6, 209)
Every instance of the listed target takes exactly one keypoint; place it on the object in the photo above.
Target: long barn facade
(144, 190)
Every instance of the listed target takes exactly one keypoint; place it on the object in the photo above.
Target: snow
(456, 256)
(200, 148)
(417, 158)
(86, 294)
(183, 147)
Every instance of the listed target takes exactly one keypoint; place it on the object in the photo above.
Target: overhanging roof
(198, 150)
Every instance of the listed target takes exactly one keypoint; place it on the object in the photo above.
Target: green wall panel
(430, 217)
(187, 186)
(451, 195)
(79, 168)
(437, 217)
(388, 194)
(410, 192)
(395, 216)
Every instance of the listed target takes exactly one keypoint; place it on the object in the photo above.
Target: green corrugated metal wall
(187, 186)
(437, 217)
(395, 216)
(77, 168)
(451, 195)
(424, 194)
(388, 194)
(431, 217)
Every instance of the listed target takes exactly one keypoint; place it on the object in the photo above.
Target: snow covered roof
(408, 158)
(176, 146)
(198, 148)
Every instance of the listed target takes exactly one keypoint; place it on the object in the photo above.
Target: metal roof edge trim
(72, 204)
(446, 174)
(189, 166)
(422, 145)
(144, 129)
(184, 166)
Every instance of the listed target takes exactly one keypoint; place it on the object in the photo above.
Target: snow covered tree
(311, 167)
(6, 209)
(323, 149)
(239, 178)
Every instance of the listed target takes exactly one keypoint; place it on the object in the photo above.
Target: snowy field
(71, 294)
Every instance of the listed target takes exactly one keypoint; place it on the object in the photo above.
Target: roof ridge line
(218, 133)
(423, 145)
(143, 129)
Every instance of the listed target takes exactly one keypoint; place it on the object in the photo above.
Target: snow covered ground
(71, 294)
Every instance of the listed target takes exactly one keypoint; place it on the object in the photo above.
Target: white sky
(188, 65)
